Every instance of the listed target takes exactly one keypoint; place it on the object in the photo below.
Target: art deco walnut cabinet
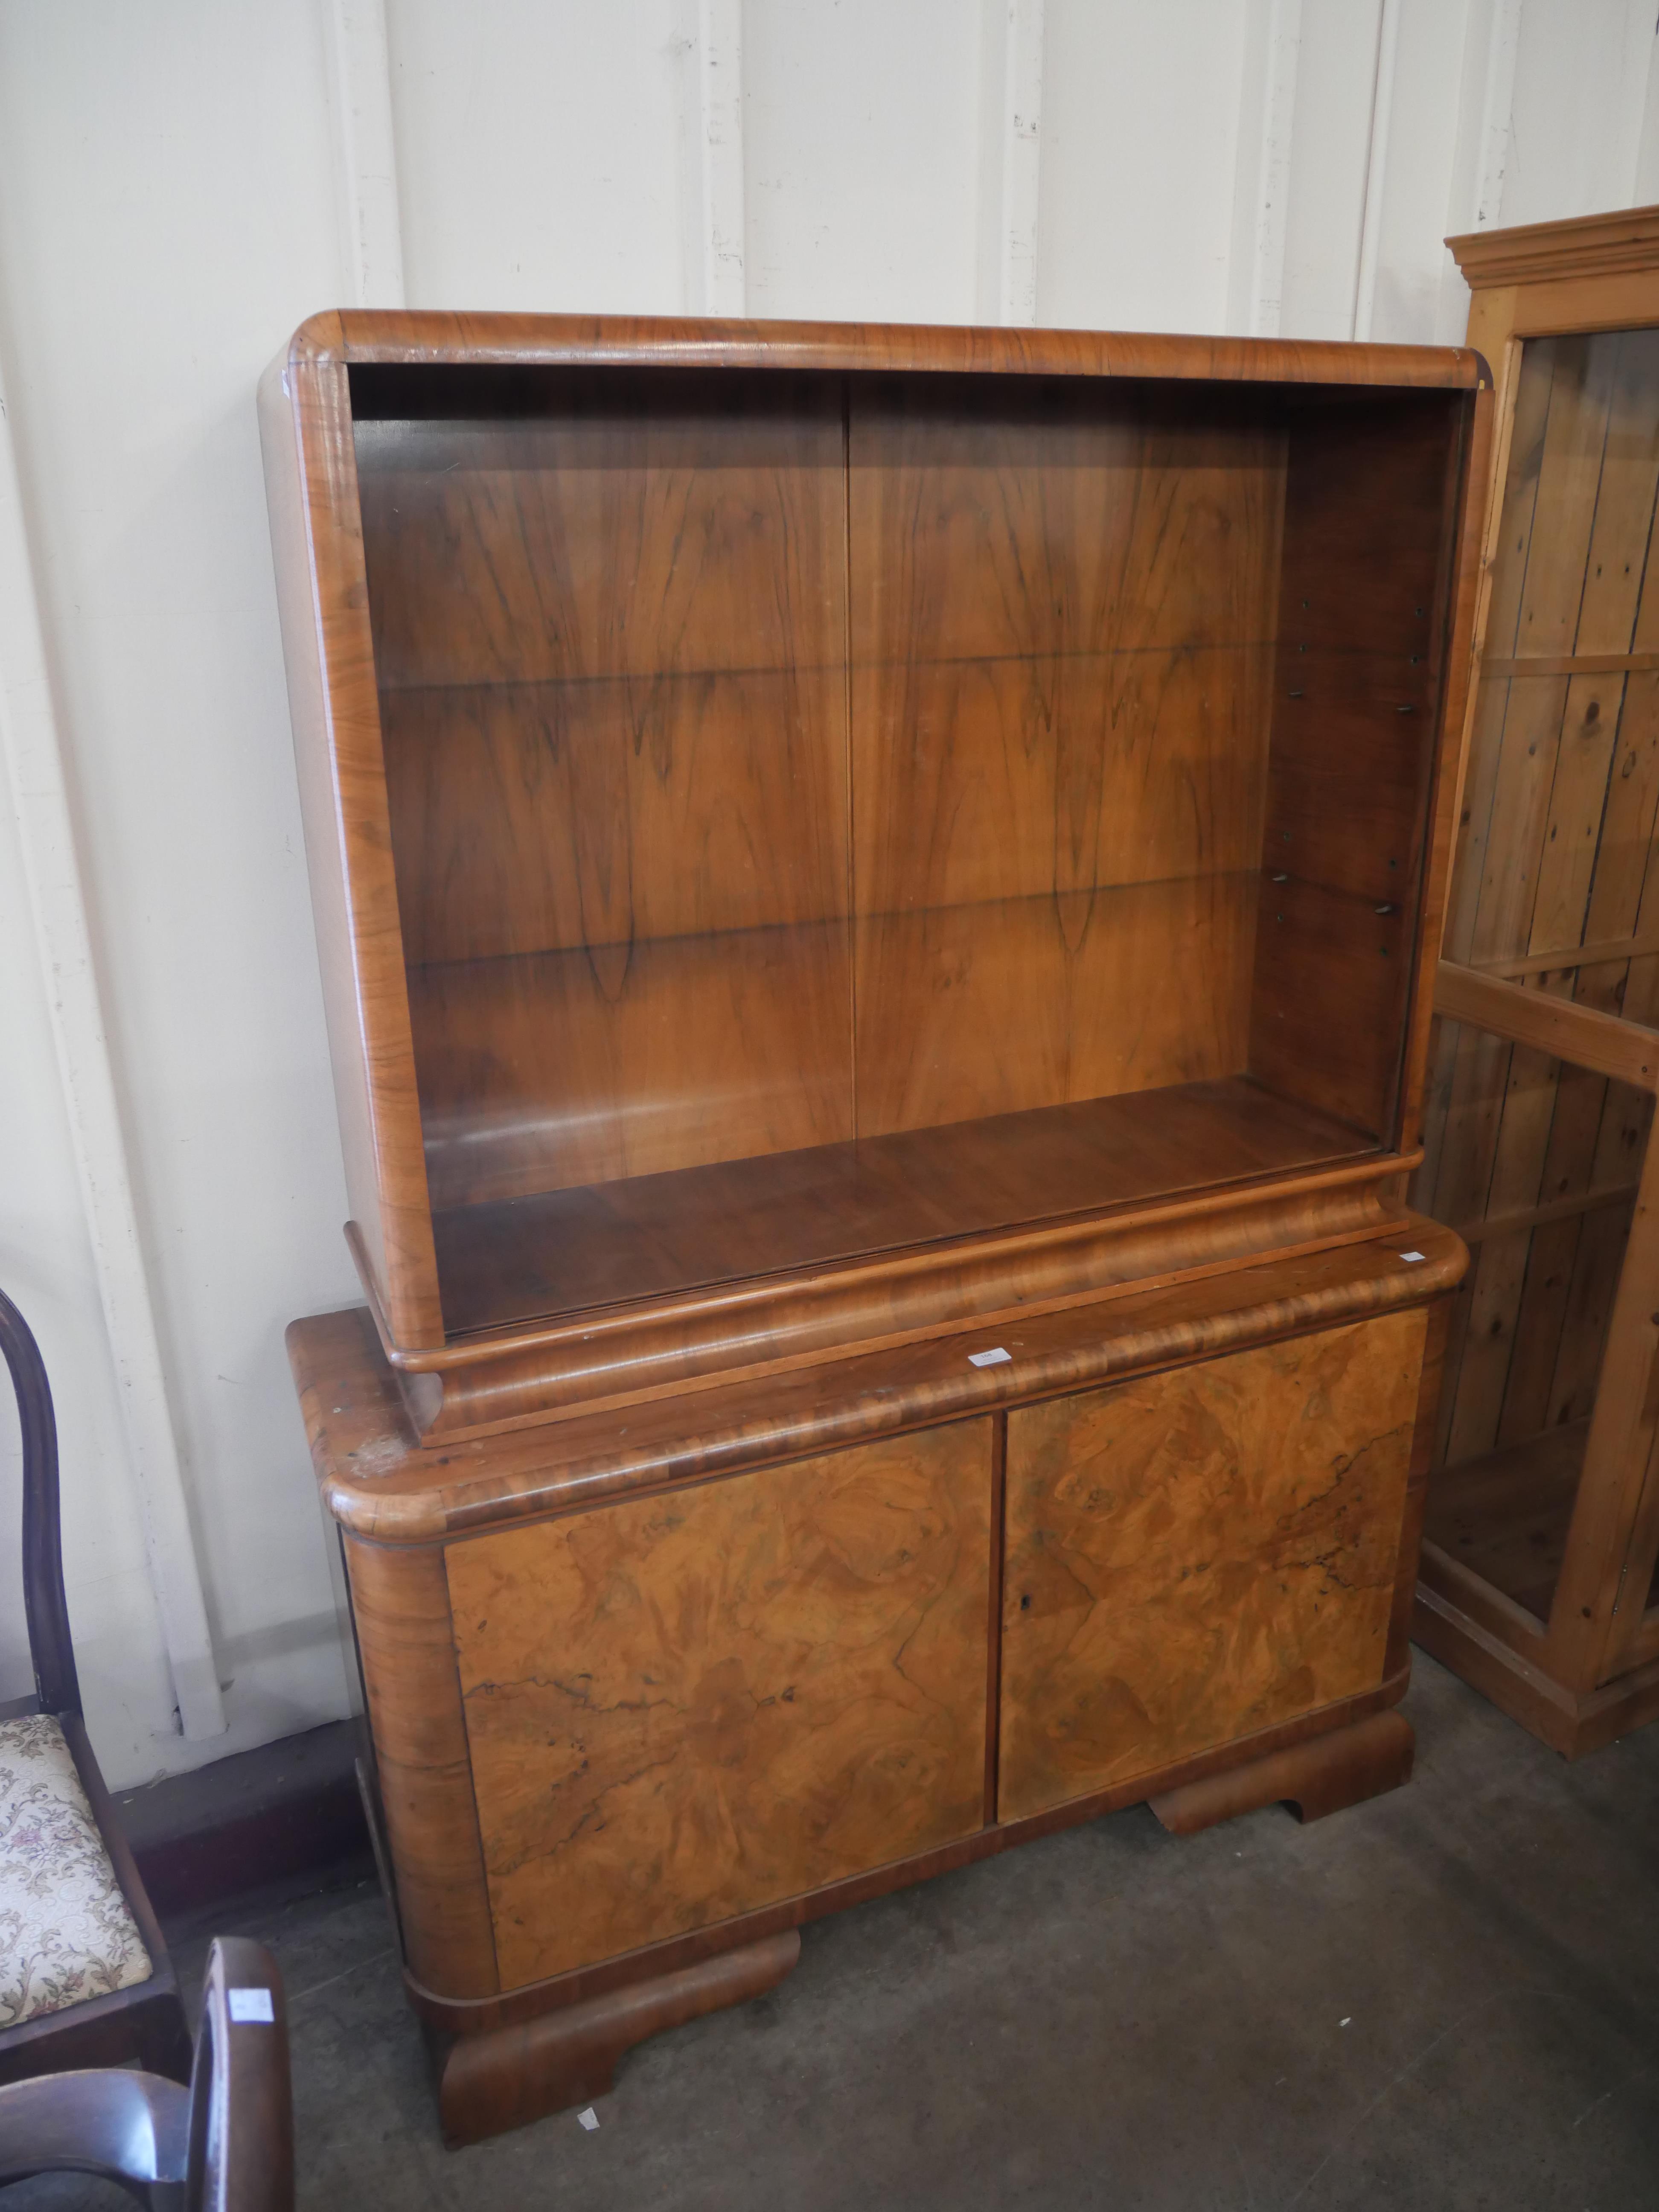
(876, 890)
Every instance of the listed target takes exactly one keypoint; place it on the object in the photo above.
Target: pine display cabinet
(878, 892)
(1540, 1562)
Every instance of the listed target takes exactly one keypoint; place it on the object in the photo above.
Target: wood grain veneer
(1324, 1733)
(1025, 1004)
(311, 489)
(400, 1606)
(1198, 1555)
(551, 2060)
(788, 737)
(606, 1357)
(1324, 1776)
(639, 1528)
(650, 1236)
(380, 1482)
(424, 338)
(685, 1707)
(1054, 587)
(609, 627)
(848, 853)
(535, 1078)
(1431, 1381)
(1363, 636)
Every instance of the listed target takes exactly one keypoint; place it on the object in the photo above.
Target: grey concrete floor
(1447, 1998)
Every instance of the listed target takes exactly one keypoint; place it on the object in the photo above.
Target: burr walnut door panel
(1199, 1554)
(685, 1706)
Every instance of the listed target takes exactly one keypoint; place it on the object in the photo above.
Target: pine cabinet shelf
(837, 851)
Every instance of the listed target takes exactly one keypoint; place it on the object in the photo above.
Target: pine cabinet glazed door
(1199, 1554)
(685, 1707)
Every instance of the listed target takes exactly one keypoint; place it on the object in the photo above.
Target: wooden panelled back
(779, 760)
(609, 629)
(1062, 623)
(1537, 1160)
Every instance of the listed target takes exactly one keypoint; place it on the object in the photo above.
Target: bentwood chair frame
(225, 2144)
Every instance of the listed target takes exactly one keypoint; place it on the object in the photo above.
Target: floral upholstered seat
(66, 1932)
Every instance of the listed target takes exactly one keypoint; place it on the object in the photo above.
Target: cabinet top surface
(382, 1485)
(365, 335)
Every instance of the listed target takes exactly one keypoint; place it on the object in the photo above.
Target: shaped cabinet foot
(1320, 1776)
(505, 2077)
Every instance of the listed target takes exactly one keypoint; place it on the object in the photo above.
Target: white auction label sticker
(251, 2005)
(1410, 1255)
(993, 1358)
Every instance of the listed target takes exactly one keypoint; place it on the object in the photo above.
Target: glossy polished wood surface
(316, 525)
(1319, 1777)
(415, 336)
(1062, 608)
(1198, 1555)
(606, 1358)
(877, 888)
(1364, 612)
(1431, 1381)
(534, 1080)
(1329, 1766)
(685, 1707)
(784, 740)
(650, 1235)
(610, 625)
(479, 2016)
(400, 1609)
(507, 2076)
(620, 809)
(381, 1483)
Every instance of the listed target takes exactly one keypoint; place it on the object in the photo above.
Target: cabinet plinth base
(1324, 1775)
(505, 2077)
(1571, 1721)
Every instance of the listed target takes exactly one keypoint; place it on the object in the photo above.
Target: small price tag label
(248, 2005)
(1410, 1255)
(993, 1358)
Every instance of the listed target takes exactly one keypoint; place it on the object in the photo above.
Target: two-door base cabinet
(875, 890)
(644, 1695)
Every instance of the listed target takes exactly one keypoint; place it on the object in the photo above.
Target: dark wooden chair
(85, 1979)
(225, 2144)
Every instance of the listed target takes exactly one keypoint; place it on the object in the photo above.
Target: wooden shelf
(1505, 1514)
(562, 1251)
(915, 829)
